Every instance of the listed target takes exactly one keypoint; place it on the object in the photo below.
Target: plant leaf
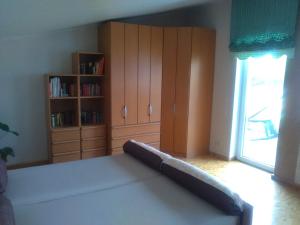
(6, 128)
(5, 152)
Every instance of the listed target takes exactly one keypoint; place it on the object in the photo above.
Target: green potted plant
(7, 151)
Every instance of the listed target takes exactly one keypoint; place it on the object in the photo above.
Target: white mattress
(38, 184)
(156, 200)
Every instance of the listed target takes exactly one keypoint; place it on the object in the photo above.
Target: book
(57, 88)
(91, 117)
(62, 119)
(90, 89)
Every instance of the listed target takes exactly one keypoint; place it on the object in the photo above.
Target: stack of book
(91, 117)
(58, 88)
(92, 67)
(62, 119)
(90, 90)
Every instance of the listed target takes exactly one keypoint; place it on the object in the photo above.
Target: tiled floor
(274, 203)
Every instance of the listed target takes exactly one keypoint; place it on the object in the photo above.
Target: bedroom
(38, 38)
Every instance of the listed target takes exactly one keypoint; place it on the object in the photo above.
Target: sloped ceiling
(20, 17)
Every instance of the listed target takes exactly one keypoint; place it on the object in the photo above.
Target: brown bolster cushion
(203, 190)
(142, 154)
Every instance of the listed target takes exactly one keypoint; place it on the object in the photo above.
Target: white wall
(171, 18)
(23, 63)
(286, 168)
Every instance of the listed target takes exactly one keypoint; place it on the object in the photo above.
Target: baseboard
(220, 156)
(27, 164)
(285, 181)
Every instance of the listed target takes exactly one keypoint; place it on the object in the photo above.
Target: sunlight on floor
(274, 203)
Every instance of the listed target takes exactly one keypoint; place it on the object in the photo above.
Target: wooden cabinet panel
(66, 157)
(201, 89)
(93, 131)
(155, 145)
(65, 147)
(63, 135)
(117, 72)
(131, 72)
(156, 73)
(144, 73)
(168, 88)
(182, 89)
(135, 130)
(92, 143)
(147, 138)
(92, 154)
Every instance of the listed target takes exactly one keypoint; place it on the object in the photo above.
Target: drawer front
(66, 157)
(148, 138)
(135, 130)
(93, 143)
(65, 147)
(92, 132)
(92, 154)
(64, 135)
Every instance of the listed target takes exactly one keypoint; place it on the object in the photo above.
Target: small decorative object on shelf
(88, 63)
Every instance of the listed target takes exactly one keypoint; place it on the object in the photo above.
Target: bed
(112, 190)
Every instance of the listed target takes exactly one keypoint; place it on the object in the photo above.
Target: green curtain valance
(263, 25)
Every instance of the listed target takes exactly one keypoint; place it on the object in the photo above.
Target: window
(260, 90)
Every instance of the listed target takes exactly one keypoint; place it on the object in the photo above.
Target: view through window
(261, 91)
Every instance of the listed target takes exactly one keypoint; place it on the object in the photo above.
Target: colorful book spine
(57, 88)
(90, 90)
(91, 117)
(62, 119)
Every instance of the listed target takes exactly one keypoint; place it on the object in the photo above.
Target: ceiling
(20, 17)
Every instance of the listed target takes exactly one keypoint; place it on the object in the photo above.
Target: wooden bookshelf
(76, 112)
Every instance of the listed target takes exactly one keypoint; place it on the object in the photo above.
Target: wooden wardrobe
(187, 88)
(133, 80)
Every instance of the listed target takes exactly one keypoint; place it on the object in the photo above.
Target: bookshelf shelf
(62, 98)
(91, 75)
(91, 125)
(63, 128)
(91, 97)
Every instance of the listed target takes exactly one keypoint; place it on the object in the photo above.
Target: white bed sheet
(43, 183)
(156, 201)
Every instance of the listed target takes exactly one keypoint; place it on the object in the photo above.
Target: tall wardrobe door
(117, 72)
(182, 89)
(201, 89)
(168, 89)
(156, 73)
(144, 73)
(131, 62)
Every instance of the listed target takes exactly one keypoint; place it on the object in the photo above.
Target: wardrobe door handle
(150, 109)
(125, 111)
